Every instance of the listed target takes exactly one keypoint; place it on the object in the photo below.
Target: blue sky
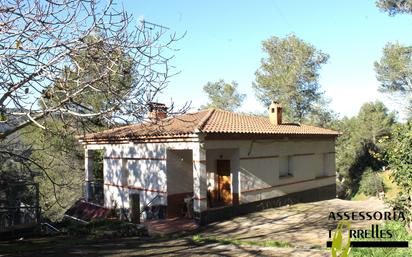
(224, 38)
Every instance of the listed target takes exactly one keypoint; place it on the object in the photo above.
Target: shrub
(371, 183)
(101, 228)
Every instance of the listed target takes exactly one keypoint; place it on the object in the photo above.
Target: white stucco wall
(134, 168)
(137, 168)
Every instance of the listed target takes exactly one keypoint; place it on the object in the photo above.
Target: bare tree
(41, 42)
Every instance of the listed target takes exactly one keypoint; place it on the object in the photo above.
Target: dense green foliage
(223, 95)
(399, 156)
(394, 71)
(395, 6)
(102, 228)
(371, 183)
(290, 75)
(374, 121)
(54, 158)
(87, 65)
(321, 115)
(358, 147)
(56, 149)
(59, 169)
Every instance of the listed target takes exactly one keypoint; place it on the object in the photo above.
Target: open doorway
(224, 181)
(222, 193)
(179, 182)
(222, 166)
(96, 184)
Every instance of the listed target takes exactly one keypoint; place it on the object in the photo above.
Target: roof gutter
(143, 139)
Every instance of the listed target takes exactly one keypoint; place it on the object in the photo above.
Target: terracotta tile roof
(207, 121)
(87, 211)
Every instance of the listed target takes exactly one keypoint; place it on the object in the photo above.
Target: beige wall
(212, 156)
(179, 171)
(280, 190)
(261, 161)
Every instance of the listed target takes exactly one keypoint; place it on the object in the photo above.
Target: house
(230, 163)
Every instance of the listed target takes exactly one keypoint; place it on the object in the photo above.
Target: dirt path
(304, 225)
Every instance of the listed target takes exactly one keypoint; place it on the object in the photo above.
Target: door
(135, 208)
(224, 181)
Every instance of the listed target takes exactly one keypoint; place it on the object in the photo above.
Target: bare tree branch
(48, 47)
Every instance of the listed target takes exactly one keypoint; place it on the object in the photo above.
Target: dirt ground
(304, 226)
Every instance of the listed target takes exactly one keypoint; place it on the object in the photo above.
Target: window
(326, 161)
(285, 166)
(290, 170)
(124, 175)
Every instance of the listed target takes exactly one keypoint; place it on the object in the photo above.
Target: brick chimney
(275, 113)
(157, 111)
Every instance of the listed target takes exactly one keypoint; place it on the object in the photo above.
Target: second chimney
(275, 113)
(157, 111)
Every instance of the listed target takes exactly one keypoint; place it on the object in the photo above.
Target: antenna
(151, 26)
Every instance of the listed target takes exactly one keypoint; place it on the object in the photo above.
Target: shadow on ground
(305, 226)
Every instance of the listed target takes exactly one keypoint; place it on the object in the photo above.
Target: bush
(101, 228)
(371, 183)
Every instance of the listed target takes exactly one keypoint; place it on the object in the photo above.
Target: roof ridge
(210, 120)
(111, 129)
(203, 121)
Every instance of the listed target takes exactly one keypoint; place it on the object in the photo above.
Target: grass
(265, 243)
(360, 197)
(391, 189)
(35, 244)
(400, 234)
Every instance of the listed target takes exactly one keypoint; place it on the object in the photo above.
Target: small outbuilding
(227, 163)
